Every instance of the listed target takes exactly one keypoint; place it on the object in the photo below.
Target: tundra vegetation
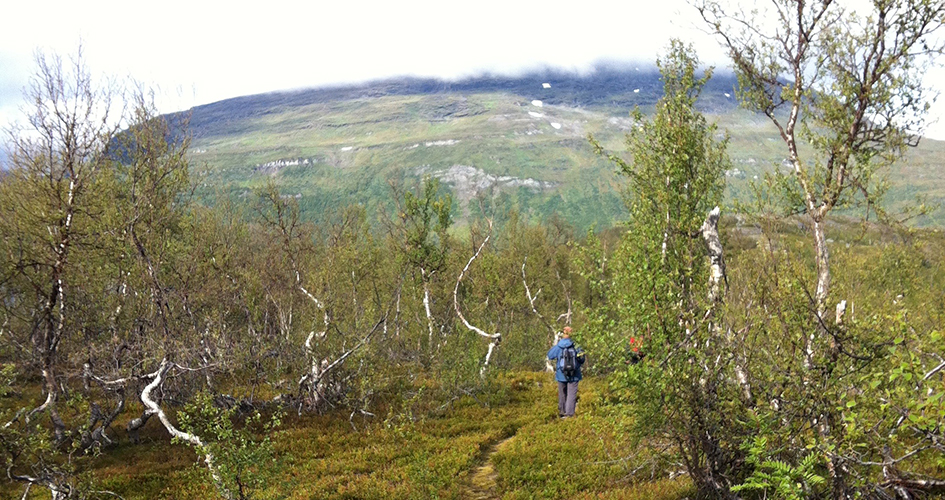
(156, 347)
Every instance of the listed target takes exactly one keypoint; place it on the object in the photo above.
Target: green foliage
(31, 454)
(355, 330)
(867, 396)
(777, 479)
(426, 219)
(242, 459)
(659, 273)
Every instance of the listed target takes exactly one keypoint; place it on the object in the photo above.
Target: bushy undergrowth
(429, 456)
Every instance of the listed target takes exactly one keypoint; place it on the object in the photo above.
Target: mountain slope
(515, 142)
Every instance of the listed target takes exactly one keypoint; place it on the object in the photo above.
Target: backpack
(568, 362)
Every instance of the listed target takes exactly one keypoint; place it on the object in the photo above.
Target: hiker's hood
(565, 343)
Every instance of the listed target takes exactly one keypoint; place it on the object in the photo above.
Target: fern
(777, 478)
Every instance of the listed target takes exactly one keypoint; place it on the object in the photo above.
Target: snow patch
(728, 95)
(347, 148)
(636, 91)
(535, 115)
(546, 85)
(556, 126)
(448, 142)
(537, 103)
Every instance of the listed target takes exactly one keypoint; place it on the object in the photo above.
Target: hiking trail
(481, 482)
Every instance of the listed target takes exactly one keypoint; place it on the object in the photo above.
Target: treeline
(123, 298)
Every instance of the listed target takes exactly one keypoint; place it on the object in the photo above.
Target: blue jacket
(556, 352)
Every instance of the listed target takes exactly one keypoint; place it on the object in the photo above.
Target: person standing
(568, 361)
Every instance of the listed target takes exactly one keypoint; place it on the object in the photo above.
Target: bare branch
(933, 371)
(531, 299)
(496, 337)
(154, 408)
(456, 292)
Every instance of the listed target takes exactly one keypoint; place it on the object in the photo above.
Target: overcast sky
(196, 52)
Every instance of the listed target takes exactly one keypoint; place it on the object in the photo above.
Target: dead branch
(933, 371)
(933, 486)
(555, 334)
(496, 337)
(315, 379)
(567, 296)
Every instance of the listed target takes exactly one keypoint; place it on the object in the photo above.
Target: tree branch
(496, 337)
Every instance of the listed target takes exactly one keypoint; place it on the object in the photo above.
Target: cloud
(206, 51)
(200, 52)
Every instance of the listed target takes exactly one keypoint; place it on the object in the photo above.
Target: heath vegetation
(158, 341)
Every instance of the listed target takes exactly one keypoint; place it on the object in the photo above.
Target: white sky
(196, 52)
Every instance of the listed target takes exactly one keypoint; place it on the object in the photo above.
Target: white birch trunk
(426, 304)
(495, 337)
(716, 294)
(154, 409)
(822, 260)
(313, 381)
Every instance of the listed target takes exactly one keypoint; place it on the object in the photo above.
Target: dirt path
(482, 480)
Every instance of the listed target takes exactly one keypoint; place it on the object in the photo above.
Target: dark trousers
(567, 397)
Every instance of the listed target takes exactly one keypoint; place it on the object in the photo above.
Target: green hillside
(334, 147)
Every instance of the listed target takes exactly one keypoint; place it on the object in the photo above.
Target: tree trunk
(717, 280)
(822, 261)
(821, 257)
(426, 303)
(155, 409)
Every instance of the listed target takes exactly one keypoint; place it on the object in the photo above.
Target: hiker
(634, 355)
(568, 360)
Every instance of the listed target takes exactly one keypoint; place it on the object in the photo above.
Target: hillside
(376, 358)
(519, 141)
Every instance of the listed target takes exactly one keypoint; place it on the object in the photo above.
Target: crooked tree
(50, 194)
(843, 87)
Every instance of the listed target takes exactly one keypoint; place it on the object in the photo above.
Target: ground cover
(440, 453)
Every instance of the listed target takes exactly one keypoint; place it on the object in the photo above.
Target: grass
(433, 457)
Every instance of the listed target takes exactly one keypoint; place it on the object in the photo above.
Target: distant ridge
(618, 88)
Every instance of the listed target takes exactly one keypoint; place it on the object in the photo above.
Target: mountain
(497, 142)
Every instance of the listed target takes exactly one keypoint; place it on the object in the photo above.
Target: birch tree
(844, 88)
(667, 288)
(425, 219)
(51, 193)
(843, 85)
